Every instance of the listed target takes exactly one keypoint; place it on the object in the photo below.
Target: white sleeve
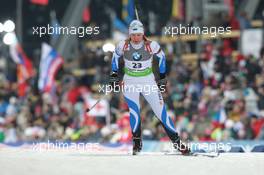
(117, 54)
(119, 48)
(156, 49)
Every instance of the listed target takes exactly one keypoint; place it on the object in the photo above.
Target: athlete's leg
(132, 99)
(154, 98)
(157, 104)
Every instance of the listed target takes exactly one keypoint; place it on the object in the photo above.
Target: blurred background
(215, 88)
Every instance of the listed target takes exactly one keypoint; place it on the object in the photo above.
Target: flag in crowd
(50, 63)
(24, 67)
(177, 9)
(128, 10)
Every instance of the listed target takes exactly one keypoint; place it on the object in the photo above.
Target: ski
(195, 154)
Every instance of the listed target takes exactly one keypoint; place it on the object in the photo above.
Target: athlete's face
(136, 37)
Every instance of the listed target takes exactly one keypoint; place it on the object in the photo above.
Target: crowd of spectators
(221, 98)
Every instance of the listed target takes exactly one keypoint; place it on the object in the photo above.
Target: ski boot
(137, 145)
(180, 146)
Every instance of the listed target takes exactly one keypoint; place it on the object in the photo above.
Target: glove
(162, 83)
(114, 79)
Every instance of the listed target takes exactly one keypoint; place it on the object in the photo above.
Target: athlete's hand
(162, 84)
(114, 79)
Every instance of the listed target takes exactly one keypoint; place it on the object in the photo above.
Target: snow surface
(32, 162)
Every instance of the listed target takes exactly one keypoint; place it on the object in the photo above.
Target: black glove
(162, 83)
(114, 79)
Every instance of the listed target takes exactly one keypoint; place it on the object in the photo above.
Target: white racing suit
(138, 75)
